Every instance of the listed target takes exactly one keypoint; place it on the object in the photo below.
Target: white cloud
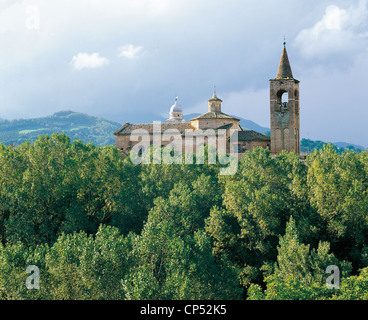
(88, 61)
(339, 31)
(130, 51)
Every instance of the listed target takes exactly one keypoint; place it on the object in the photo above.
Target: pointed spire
(284, 71)
(214, 97)
(214, 103)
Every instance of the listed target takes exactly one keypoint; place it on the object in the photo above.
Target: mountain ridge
(76, 125)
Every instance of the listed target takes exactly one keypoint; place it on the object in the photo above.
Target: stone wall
(285, 123)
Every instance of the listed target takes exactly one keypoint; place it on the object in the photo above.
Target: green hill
(74, 124)
(308, 146)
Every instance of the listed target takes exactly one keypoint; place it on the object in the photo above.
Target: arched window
(282, 97)
(285, 97)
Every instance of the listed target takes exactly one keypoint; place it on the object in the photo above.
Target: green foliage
(173, 257)
(299, 273)
(54, 186)
(354, 288)
(77, 266)
(86, 267)
(338, 191)
(258, 200)
(100, 227)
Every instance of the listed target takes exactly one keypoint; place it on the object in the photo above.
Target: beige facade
(212, 128)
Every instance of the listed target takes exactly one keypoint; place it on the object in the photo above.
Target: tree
(54, 186)
(88, 267)
(257, 202)
(14, 260)
(77, 266)
(354, 287)
(36, 206)
(338, 188)
(299, 273)
(172, 258)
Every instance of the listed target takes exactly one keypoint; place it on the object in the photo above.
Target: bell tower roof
(214, 97)
(214, 104)
(284, 71)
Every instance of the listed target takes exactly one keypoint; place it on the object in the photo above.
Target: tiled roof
(226, 126)
(214, 115)
(246, 135)
(128, 128)
(250, 135)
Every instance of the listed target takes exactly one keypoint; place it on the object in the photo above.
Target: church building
(284, 112)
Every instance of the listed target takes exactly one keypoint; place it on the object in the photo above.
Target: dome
(176, 113)
(176, 107)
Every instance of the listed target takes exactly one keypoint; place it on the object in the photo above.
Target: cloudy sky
(126, 60)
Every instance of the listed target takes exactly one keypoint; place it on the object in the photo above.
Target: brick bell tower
(284, 103)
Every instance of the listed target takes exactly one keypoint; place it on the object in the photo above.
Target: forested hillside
(78, 126)
(99, 227)
(308, 146)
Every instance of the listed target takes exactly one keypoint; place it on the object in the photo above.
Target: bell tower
(284, 104)
(214, 104)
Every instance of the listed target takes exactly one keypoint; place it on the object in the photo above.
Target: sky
(127, 60)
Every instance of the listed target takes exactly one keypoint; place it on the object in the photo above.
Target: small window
(282, 97)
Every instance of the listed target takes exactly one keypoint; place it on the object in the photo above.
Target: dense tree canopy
(98, 226)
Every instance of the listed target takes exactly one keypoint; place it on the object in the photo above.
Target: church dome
(176, 112)
(176, 107)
